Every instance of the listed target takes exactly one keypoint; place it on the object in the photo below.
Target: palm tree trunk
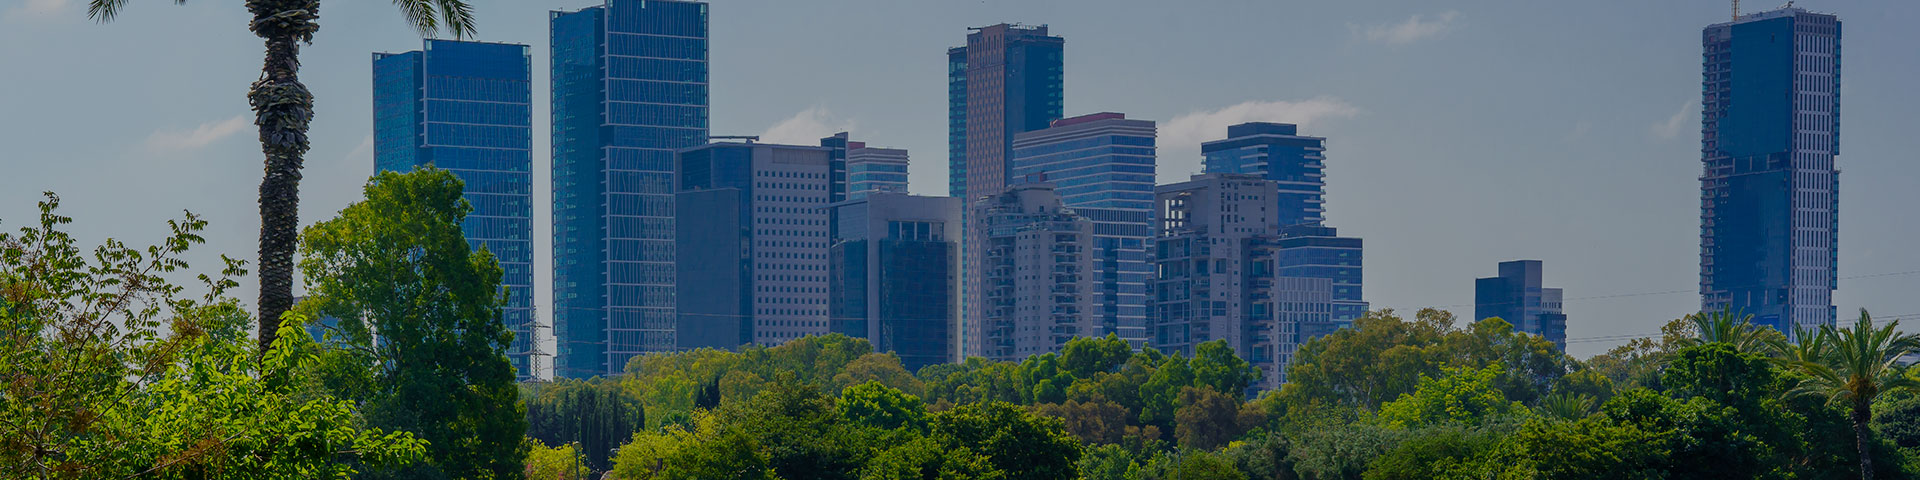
(1862, 415)
(283, 109)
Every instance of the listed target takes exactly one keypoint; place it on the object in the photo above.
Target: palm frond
(104, 11)
(429, 17)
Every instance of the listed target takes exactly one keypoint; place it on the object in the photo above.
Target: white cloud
(1416, 28)
(38, 8)
(206, 134)
(1180, 138)
(1677, 124)
(806, 127)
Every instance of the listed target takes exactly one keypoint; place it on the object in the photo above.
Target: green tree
(879, 406)
(90, 387)
(560, 462)
(1160, 396)
(1214, 365)
(283, 109)
(1858, 367)
(1898, 420)
(1191, 465)
(1082, 357)
(926, 459)
(1726, 326)
(397, 263)
(1207, 419)
(1439, 452)
(595, 415)
(1023, 445)
(1094, 422)
(1461, 396)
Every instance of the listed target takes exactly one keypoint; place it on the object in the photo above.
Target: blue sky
(1460, 134)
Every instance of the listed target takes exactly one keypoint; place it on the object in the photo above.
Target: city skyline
(1350, 184)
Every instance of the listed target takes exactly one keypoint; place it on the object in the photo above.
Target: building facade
(1032, 289)
(629, 90)
(1296, 163)
(1008, 79)
(1217, 262)
(1518, 297)
(1102, 166)
(894, 273)
(1279, 153)
(466, 107)
(875, 170)
(754, 222)
(1769, 189)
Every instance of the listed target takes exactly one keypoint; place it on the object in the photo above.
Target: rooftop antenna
(1736, 10)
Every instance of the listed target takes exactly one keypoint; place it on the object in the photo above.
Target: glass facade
(1769, 189)
(754, 219)
(629, 89)
(894, 272)
(1517, 297)
(1320, 252)
(467, 107)
(1102, 167)
(1008, 79)
(1278, 152)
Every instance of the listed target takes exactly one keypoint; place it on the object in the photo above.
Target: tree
(1727, 327)
(90, 387)
(1214, 365)
(880, 406)
(1024, 445)
(1207, 418)
(1094, 422)
(1082, 357)
(1160, 396)
(1858, 367)
(396, 265)
(560, 462)
(593, 416)
(1440, 452)
(924, 458)
(1191, 465)
(1461, 396)
(283, 109)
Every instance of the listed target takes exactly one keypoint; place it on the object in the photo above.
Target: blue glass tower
(1277, 152)
(1516, 295)
(1102, 166)
(1769, 191)
(467, 107)
(1008, 79)
(629, 89)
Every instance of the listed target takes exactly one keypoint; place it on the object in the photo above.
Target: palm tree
(1859, 365)
(283, 107)
(1727, 327)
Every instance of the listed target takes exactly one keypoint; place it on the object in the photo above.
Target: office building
(754, 224)
(1032, 291)
(1217, 257)
(629, 90)
(466, 107)
(1769, 189)
(1517, 297)
(875, 170)
(1102, 166)
(1277, 152)
(1008, 79)
(1320, 252)
(894, 272)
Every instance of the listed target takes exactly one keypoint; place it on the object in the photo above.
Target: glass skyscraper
(629, 89)
(1769, 191)
(1516, 295)
(894, 269)
(1102, 166)
(467, 107)
(1277, 152)
(753, 217)
(1008, 79)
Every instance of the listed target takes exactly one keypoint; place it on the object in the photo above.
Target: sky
(1459, 134)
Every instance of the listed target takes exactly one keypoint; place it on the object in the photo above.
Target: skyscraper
(1008, 79)
(894, 268)
(629, 89)
(1217, 257)
(754, 224)
(1102, 166)
(1517, 297)
(1277, 152)
(1032, 288)
(1769, 191)
(873, 170)
(467, 107)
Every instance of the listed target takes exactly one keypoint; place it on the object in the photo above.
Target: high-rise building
(629, 89)
(1032, 289)
(467, 107)
(1277, 152)
(894, 272)
(1217, 257)
(754, 224)
(1769, 191)
(1008, 79)
(1311, 251)
(874, 170)
(1102, 166)
(1517, 297)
